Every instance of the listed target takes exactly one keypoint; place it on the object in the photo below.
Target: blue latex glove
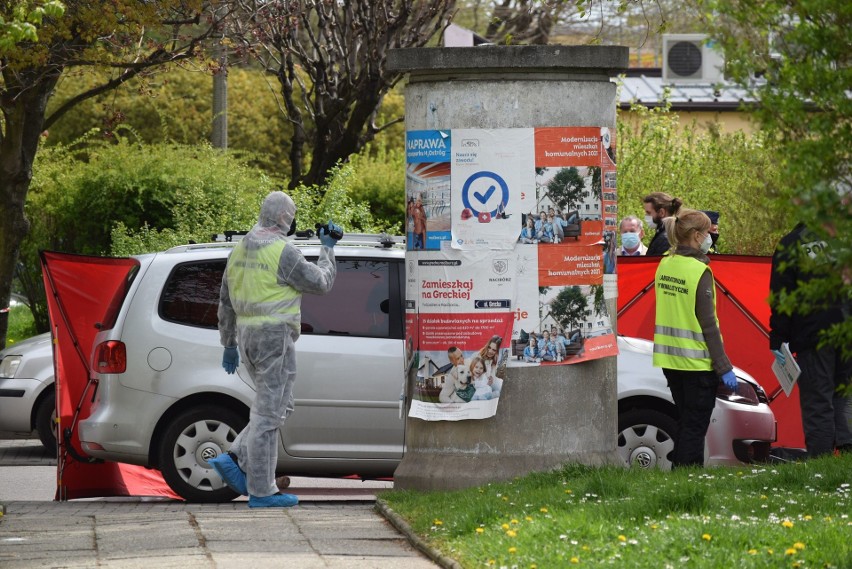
(231, 359)
(730, 380)
(327, 239)
(779, 357)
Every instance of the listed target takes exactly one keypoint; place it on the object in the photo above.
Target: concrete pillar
(547, 416)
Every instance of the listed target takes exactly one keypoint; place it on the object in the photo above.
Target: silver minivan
(173, 407)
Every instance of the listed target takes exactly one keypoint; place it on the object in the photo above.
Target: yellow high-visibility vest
(679, 342)
(256, 296)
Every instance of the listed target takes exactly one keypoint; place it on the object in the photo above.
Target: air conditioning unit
(691, 58)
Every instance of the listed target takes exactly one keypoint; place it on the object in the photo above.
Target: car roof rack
(382, 240)
(230, 238)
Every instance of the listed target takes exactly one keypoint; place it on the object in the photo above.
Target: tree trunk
(23, 112)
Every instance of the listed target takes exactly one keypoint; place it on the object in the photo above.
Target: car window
(191, 294)
(358, 305)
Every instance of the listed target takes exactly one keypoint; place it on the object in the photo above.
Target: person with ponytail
(658, 206)
(687, 341)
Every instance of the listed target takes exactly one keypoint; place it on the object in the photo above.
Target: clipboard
(789, 372)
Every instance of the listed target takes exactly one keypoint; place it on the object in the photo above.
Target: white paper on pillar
(464, 322)
(492, 174)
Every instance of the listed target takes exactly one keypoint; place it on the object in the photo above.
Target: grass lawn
(774, 515)
(21, 324)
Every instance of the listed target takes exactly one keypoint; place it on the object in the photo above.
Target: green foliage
(83, 193)
(805, 109)
(21, 324)
(175, 105)
(378, 179)
(785, 515)
(19, 21)
(333, 201)
(126, 198)
(735, 174)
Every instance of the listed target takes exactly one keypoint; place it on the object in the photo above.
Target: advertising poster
(427, 188)
(464, 323)
(490, 173)
(520, 276)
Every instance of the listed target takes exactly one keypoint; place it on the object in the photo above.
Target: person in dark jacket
(824, 371)
(658, 206)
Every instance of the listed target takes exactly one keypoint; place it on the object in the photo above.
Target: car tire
(646, 439)
(188, 442)
(45, 421)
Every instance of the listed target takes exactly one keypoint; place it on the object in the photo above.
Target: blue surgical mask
(629, 240)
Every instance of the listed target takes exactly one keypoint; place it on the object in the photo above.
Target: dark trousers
(825, 408)
(694, 394)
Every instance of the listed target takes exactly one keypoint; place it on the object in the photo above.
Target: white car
(27, 396)
(172, 406)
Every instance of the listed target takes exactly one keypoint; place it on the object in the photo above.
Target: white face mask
(649, 221)
(706, 244)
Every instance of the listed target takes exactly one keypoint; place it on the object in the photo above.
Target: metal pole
(219, 137)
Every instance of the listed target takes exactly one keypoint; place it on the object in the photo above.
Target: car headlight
(9, 365)
(743, 394)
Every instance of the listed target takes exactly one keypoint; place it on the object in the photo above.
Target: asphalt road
(28, 473)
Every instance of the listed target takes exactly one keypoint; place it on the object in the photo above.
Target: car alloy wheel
(646, 439)
(191, 439)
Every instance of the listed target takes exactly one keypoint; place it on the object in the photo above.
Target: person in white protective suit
(259, 322)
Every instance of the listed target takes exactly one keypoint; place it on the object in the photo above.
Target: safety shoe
(275, 501)
(226, 467)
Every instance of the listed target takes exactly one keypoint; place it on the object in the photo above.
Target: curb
(416, 541)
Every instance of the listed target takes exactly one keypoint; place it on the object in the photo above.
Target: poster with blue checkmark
(490, 172)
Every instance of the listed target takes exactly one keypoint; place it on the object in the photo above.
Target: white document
(789, 372)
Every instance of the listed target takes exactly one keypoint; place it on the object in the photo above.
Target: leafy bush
(734, 174)
(378, 178)
(176, 105)
(334, 201)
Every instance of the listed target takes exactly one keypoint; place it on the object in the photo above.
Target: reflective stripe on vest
(679, 342)
(256, 296)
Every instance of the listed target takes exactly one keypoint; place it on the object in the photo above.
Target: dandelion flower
(808, 517)
(787, 524)
(543, 510)
(512, 533)
(790, 551)
(528, 518)
(622, 538)
(799, 545)
(568, 491)
(770, 551)
(514, 521)
(438, 523)
(505, 526)
(706, 537)
(575, 560)
(513, 550)
(480, 530)
(752, 552)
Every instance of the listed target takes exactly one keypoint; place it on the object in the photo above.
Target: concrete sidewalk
(133, 533)
(333, 526)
